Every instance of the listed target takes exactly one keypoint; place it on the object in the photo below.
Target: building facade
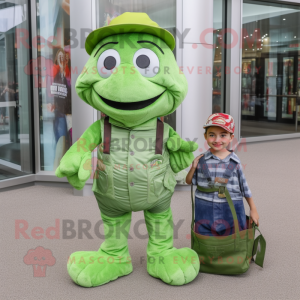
(240, 57)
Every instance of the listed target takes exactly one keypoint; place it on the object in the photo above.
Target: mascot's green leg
(171, 265)
(112, 260)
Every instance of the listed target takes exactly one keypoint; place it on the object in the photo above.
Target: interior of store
(270, 82)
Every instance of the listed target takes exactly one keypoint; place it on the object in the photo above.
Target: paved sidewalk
(272, 170)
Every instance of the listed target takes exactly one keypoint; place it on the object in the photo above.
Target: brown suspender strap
(159, 137)
(107, 136)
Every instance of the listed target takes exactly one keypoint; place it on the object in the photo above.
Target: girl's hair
(59, 50)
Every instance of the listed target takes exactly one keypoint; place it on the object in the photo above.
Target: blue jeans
(215, 218)
(60, 127)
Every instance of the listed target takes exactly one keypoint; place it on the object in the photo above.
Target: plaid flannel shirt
(237, 185)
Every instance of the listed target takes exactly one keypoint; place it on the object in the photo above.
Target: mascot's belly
(133, 177)
(136, 186)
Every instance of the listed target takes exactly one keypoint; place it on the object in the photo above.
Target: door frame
(22, 179)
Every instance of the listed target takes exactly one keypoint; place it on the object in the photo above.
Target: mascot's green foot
(171, 265)
(93, 268)
(174, 266)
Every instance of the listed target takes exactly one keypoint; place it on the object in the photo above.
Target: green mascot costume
(133, 78)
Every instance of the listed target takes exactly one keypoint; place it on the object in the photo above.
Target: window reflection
(270, 69)
(53, 79)
(16, 157)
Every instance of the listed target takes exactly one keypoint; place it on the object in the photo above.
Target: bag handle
(231, 206)
(193, 207)
(260, 255)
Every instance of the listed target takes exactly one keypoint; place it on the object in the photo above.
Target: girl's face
(60, 57)
(218, 138)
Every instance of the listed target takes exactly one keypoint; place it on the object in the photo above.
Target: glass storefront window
(218, 104)
(161, 12)
(270, 69)
(53, 80)
(16, 156)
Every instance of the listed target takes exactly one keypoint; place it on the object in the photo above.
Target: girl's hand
(196, 160)
(254, 216)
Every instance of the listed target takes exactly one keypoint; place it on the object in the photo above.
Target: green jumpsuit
(134, 177)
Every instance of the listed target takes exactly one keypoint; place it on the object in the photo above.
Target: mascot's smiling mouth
(130, 105)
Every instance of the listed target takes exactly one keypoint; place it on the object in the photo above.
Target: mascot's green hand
(77, 167)
(76, 164)
(181, 155)
(175, 143)
(180, 160)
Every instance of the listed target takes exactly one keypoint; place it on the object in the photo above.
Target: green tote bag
(231, 254)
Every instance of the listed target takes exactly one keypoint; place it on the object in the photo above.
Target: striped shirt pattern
(237, 185)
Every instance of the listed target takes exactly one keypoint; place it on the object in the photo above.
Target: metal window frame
(179, 58)
(233, 59)
(224, 54)
(34, 94)
(39, 174)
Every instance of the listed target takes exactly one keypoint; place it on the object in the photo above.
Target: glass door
(297, 109)
(16, 151)
(271, 49)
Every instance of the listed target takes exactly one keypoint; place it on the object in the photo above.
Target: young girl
(212, 213)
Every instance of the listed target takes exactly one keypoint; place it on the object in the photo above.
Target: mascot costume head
(133, 78)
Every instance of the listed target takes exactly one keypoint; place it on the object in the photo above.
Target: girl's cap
(221, 120)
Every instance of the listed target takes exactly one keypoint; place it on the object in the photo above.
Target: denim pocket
(240, 212)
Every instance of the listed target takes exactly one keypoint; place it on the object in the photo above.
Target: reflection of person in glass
(61, 63)
(62, 105)
(10, 92)
(3, 90)
(68, 76)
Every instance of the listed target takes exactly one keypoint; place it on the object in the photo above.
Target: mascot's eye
(143, 61)
(110, 62)
(146, 62)
(107, 62)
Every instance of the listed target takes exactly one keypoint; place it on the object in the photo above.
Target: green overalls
(134, 174)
